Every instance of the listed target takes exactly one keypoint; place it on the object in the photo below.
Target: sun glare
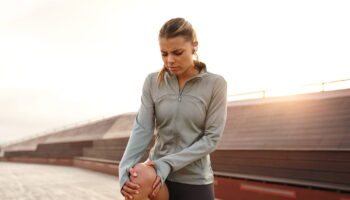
(94, 55)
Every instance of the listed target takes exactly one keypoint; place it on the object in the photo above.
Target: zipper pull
(179, 98)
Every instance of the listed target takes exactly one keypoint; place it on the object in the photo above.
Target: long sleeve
(142, 133)
(214, 127)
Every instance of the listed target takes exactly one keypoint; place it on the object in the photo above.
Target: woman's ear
(195, 46)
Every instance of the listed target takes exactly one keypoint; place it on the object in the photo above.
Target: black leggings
(181, 191)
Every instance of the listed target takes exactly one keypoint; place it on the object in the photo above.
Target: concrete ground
(23, 181)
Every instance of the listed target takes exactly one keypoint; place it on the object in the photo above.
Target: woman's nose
(170, 59)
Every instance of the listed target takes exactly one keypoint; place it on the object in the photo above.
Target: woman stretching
(186, 107)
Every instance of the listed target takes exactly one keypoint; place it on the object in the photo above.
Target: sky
(68, 61)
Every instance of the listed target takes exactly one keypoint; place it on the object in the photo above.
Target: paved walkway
(22, 181)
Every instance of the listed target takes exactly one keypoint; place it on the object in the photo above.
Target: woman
(186, 105)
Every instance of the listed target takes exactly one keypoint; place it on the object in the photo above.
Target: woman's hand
(156, 184)
(130, 188)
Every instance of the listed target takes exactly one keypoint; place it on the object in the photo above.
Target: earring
(195, 49)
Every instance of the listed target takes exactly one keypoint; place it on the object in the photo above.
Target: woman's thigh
(181, 191)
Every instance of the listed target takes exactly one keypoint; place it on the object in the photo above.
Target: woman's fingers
(126, 195)
(131, 185)
(129, 189)
(155, 191)
(156, 187)
(156, 182)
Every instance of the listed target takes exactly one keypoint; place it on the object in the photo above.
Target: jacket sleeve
(214, 127)
(141, 135)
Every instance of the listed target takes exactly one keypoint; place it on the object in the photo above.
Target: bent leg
(145, 178)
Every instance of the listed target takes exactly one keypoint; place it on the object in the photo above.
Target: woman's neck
(191, 72)
(187, 75)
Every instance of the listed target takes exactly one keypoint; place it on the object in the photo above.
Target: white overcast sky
(66, 61)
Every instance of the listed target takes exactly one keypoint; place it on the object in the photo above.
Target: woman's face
(177, 55)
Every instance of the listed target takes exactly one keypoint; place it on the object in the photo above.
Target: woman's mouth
(173, 68)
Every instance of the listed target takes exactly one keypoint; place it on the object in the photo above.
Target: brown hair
(178, 27)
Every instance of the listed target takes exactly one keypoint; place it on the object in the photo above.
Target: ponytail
(160, 77)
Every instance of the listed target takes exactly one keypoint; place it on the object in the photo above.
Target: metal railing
(301, 89)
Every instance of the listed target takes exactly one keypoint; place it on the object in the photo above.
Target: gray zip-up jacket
(188, 122)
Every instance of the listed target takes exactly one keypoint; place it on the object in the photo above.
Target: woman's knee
(145, 178)
(146, 175)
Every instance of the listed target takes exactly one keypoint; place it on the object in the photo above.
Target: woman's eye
(175, 53)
